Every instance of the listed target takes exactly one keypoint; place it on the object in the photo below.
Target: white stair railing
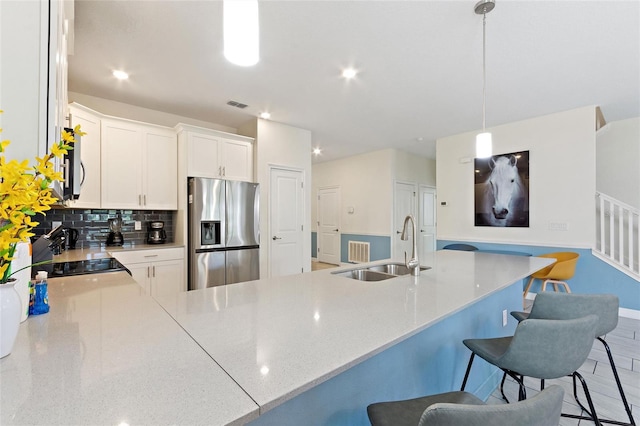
(618, 234)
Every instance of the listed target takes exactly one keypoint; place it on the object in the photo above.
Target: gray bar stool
(463, 408)
(539, 348)
(562, 306)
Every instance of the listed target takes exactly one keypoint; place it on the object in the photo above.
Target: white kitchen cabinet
(89, 121)
(139, 166)
(34, 74)
(159, 271)
(213, 154)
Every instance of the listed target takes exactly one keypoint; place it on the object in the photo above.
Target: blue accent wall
(592, 274)
(380, 246)
(429, 362)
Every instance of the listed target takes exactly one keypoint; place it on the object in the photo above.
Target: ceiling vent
(237, 104)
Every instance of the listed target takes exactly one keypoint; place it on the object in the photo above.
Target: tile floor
(624, 342)
(316, 266)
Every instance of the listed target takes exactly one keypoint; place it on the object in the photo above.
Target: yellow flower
(24, 193)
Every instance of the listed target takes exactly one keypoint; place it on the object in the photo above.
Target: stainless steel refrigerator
(224, 233)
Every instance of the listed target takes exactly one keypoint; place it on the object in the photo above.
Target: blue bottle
(41, 295)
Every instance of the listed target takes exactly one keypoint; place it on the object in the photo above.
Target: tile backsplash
(93, 225)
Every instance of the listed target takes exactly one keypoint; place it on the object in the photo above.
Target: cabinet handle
(224, 171)
(144, 199)
(154, 271)
(151, 255)
(148, 271)
(139, 199)
(219, 170)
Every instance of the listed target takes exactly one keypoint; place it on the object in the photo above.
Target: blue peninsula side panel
(432, 361)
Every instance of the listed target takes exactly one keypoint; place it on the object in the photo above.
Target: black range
(82, 267)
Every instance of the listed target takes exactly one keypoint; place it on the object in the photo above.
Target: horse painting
(503, 198)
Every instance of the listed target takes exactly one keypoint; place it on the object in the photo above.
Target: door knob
(336, 230)
(276, 238)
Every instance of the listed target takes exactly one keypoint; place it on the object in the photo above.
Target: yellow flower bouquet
(24, 192)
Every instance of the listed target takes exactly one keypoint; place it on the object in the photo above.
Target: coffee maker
(156, 233)
(115, 237)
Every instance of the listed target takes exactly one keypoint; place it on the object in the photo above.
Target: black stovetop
(82, 267)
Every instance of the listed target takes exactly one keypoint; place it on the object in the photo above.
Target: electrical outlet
(504, 318)
(55, 224)
(138, 225)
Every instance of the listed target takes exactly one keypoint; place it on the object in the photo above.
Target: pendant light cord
(484, 70)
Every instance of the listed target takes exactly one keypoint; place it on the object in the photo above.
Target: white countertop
(278, 337)
(102, 252)
(106, 353)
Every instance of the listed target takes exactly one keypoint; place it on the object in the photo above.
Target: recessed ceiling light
(349, 73)
(317, 151)
(265, 115)
(120, 75)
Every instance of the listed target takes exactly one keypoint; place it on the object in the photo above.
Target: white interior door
(404, 204)
(286, 220)
(427, 220)
(329, 225)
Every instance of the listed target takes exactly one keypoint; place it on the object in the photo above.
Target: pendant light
(483, 140)
(241, 32)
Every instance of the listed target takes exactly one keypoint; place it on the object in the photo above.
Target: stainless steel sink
(364, 275)
(378, 272)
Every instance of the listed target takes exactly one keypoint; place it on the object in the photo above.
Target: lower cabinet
(159, 271)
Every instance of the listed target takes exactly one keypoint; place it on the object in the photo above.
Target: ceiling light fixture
(241, 32)
(265, 115)
(349, 73)
(317, 151)
(120, 75)
(483, 140)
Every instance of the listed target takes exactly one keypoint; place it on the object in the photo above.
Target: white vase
(9, 317)
(21, 259)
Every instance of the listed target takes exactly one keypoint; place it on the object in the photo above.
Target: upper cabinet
(213, 154)
(90, 154)
(139, 167)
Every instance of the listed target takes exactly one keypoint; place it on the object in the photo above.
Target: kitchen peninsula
(315, 347)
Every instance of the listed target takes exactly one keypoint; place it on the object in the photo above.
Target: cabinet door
(121, 165)
(202, 156)
(236, 159)
(161, 170)
(167, 277)
(140, 273)
(90, 154)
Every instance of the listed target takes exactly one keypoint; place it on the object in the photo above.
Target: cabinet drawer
(128, 257)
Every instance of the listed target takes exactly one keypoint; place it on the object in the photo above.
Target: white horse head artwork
(503, 198)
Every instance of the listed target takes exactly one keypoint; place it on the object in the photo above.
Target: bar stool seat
(539, 348)
(463, 408)
(561, 306)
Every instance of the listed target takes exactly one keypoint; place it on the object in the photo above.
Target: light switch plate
(138, 225)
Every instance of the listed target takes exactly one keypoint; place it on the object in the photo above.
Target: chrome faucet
(413, 264)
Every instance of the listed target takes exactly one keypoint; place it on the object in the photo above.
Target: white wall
(562, 180)
(286, 146)
(413, 168)
(132, 112)
(23, 77)
(617, 160)
(366, 184)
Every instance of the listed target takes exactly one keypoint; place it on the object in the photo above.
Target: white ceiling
(420, 65)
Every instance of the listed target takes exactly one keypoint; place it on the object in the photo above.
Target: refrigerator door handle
(276, 238)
